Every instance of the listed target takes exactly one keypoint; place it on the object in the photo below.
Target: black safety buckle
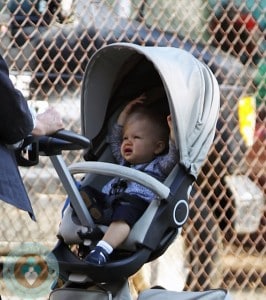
(118, 187)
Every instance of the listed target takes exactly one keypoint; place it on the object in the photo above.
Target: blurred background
(47, 44)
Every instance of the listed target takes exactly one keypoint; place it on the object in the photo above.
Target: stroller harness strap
(118, 187)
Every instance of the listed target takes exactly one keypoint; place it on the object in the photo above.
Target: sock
(108, 248)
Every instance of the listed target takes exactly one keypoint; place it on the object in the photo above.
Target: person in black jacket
(17, 122)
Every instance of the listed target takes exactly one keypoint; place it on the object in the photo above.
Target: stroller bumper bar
(104, 168)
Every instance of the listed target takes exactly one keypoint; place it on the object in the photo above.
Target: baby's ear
(160, 146)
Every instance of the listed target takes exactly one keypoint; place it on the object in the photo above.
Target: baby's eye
(136, 137)
(125, 138)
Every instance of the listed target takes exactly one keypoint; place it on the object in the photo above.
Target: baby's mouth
(127, 151)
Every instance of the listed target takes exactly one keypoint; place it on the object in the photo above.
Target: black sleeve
(15, 116)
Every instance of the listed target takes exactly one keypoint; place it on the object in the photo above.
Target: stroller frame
(170, 210)
(52, 146)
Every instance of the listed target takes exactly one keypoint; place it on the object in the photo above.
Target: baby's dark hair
(158, 119)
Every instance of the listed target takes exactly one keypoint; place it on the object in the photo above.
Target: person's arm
(127, 109)
(115, 139)
(168, 161)
(170, 124)
(15, 116)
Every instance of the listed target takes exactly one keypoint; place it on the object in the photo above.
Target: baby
(139, 140)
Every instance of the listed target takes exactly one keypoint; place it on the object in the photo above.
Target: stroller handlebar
(104, 168)
(48, 145)
(63, 140)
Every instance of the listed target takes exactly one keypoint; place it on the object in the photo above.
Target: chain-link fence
(47, 45)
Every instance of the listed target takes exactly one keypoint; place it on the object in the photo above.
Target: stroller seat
(188, 90)
(148, 238)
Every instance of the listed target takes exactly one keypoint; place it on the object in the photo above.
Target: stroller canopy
(190, 87)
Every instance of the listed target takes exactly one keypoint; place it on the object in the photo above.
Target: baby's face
(140, 143)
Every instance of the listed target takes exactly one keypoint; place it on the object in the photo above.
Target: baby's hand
(170, 124)
(126, 111)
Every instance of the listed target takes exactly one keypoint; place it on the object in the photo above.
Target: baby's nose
(129, 140)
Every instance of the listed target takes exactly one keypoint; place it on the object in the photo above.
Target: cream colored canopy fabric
(191, 88)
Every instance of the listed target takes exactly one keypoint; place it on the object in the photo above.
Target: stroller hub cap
(180, 212)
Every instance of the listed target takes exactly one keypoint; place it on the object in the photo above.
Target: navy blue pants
(105, 209)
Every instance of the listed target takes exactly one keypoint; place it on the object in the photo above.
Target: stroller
(178, 84)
